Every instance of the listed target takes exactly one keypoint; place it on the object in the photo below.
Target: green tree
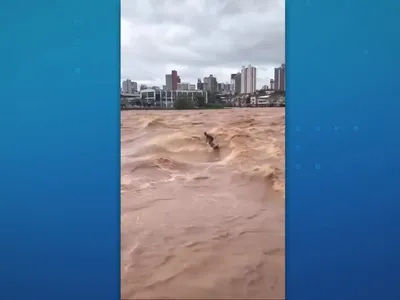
(201, 101)
(183, 102)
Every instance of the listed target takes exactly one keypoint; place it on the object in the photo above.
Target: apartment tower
(248, 80)
(280, 84)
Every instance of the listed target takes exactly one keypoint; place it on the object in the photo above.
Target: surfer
(210, 139)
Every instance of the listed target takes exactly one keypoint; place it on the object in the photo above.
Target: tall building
(220, 87)
(172, 80)
(168, 82)
(228, 88)
(129, 87)
(238, 83)
(272, 84)
(175, 80)
(280, 84)
(200, 86)
(249, 78)
(232, 85)
(134, 86)
(210, 84)
(125, 86)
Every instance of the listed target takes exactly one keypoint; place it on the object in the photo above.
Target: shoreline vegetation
(277, 99)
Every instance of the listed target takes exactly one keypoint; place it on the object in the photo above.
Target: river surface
(200, 223)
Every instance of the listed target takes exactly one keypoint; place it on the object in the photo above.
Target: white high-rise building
(280, 78)
(168, 82)
(248, 80)
(232, 85)
(129, 87)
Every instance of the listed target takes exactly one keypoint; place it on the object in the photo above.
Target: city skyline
(197, 39)
(243, 82)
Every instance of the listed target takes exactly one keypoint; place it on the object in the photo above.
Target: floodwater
(197, 222)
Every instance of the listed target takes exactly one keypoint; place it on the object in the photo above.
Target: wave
(163, 163)
(154, 123)
(243, 143)
(233, 144)
(269, 176)
(244, 123)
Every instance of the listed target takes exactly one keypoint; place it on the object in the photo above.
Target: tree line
(199, 101)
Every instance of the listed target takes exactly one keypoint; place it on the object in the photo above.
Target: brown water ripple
(198, 223)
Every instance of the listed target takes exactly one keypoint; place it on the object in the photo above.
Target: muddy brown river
(198, 222)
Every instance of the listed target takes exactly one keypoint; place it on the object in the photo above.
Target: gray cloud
(200, 37)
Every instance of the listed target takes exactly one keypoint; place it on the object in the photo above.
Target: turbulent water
(199, 223)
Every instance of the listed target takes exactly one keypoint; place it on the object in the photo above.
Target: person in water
(209, 139)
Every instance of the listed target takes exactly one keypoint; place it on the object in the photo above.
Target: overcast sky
(200, 37)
